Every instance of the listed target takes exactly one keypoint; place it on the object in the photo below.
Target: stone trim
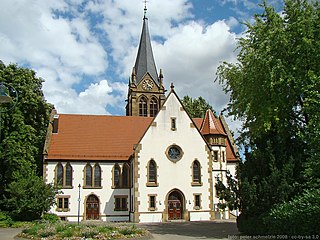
(210, 182)
(136, 194)
(194, 201)
(153, 209)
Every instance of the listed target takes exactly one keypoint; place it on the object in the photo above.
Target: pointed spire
(145, 62)
(210, 125)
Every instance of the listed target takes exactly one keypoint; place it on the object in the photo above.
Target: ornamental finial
(145, 9)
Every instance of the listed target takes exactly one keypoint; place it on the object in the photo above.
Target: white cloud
(58, 40)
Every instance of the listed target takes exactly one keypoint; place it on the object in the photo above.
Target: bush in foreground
(65, 230)
(299, 216)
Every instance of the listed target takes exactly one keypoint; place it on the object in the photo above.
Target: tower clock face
(147, 84)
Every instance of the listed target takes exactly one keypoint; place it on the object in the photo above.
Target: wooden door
(92, 208)
(174, 209)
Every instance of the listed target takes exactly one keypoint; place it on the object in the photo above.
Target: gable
(185, 129)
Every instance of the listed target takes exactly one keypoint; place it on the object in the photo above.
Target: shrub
(250, 225)
(299, 216)
(5, 220)
(50, 217)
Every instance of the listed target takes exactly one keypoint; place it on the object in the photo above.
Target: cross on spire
(145, 9)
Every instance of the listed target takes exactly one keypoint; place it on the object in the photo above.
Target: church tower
(146, 90)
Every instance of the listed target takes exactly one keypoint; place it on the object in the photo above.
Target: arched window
(125, 176)
(116, 176)
(59, 174)
(68, 170)
(196, 176)
(88, 175)
(143, 107)
(97, 175)
(152, 173)
(153, 107)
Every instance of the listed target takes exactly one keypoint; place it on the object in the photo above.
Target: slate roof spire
(145, 62)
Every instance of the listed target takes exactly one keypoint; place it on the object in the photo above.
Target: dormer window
(55, 124)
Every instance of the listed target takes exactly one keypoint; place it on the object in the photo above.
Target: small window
(173, 124)
(59, 175)
(196, 172)
(152, 171)
(120, 203)
(63, 177)
(143, 107)
(117, 203)
(116, 176)
(125, 176)
(92, 176)
(97, 175)
(215, 156)
(152, 202)
(197, 201)
(68, 175)
(152, 174)
(88, 175)
(223, 157)
(63, 204)
(153, 107)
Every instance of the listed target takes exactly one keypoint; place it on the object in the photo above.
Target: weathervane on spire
(145, 9)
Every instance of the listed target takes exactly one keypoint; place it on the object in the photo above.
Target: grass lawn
(65, 230)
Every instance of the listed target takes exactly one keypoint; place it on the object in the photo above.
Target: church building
(155, 164)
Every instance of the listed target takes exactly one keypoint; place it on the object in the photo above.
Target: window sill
(197, 208)
(152, 184)
(62, 209)
(152, 209)
(196, 184)
(113, 187)
(66, 187)
(91, 187)
(121, 210)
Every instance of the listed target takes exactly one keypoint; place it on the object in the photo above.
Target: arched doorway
(175, 205)
(92, 208)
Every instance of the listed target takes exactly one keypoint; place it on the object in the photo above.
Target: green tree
(228, 193)
(23, 132)
(28, 197)
(275, 91)
(196, 107)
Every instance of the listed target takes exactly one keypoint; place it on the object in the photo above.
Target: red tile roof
(92, 137)
(211, 125)
(230, 154)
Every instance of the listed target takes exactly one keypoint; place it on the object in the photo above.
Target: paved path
(193, 230)
(9, 233)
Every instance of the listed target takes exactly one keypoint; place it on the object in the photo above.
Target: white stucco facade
(106, 194)
(173, 175)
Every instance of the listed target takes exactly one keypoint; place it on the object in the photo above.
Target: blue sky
(85, 50)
